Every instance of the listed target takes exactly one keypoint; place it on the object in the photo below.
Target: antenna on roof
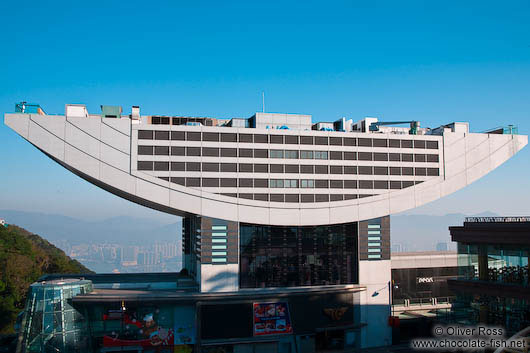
(263, 100)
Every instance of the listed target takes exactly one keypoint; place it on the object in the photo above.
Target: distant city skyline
(428, 62)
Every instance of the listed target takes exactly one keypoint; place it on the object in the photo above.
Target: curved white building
(273, 200)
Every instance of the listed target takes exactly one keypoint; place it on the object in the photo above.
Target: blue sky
(435, 62)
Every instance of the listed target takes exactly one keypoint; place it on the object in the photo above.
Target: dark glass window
(407, 183)
(145, 134)
(210, 136)
(178, 151)
(349, 169)
(380, 157)
(321, 140)
(395, 184)
(395, 171)
(245, 183)
(180, 181)
(210, 167)
(307, 169)
(245, 152)
(193, 167)
(292, 198)
(229, 167)
(335, 155)
(380, 170)
(228, 137)
(321, 184)
(145, 165)
(321, 198)
(261, 197)
(290, 139)
(162, 150)
(394, 157)
(229, 182)
(193, 151)
(350, 184)
(335, 141)
(145, 150)
(210, 182)
(365, 170)
(245, 138)
(161, 135)
(407, 171)
(321, 169)
(335, 197)
(276, 197)
(292, 168)
(419, 143)
(261, 183)
(432, 158)
(380, 184)
(261, 153)
(178, 135)
(193, 136)
(364, 156)
(380, 142)
(350, 156)
(406, 157)
(406, 143)
(276, 168)
(420, 171)
(366, 184)
(246, 196)
(228, 152)
(246, 168)
(433, 171)
(274, 256)
(261, 168)
(336, 184)
(364, 142)
(163, 166)
(350, 141)
(352, 196)
(178, 167)
(336, 169)
(276, 139)
(394, 143)
(307, 198)
(261, 138)
(210, 151)
(193, 182)
(419, 158)
(432, 145)
(306, 140)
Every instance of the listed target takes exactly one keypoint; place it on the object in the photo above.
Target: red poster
(271, 319)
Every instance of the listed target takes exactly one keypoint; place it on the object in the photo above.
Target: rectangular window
(306, 140)
(162, 150)
(193, 167)
(321, 184)
(145, 134)
(374, 244)
(261, 168)
(374, 232)
(307, 169)
(291, 154)
(246, 168)
(178, 151)
(193, 151)
(374, 250)
(419, 143)
(210, 182)
(394, 143)
(433, 172)
(228, 152)
(366, 184)
(365, 170)
(161, 135)
(364, 156)
(380, 142)
(228, 167)
(432, 145)
(246, 153)
(335, 141)
(335, 155)
(374, 256)
(261, 197)
(218, 240)
(276, 153)
(178, 166)
(261, 183)
(218, 253)
(178, 135)
(306, 154)
(380, 170)
(245, 138)
(350, 169)
(321, 140)
(373, 238)
(406, 143)
(276, 197)
(145, 165)
(380, 184)
(218, 247)
(321, 169)
(261, 138)
(350, 184)
(276, 168)
(350, 156)
(145, 150)
(229, 182)
(193, 136)
(374, 226)
(307, 198)
(210, 152)
(394, 157)
(433, 158)
(292, 168)
(261, 153)
(292, 140)
(350, 141)
(162, 166)
(335, 169)
(228, 137)
(245, 183)
(336, 184)
(218, 233)
(210, 167)
(380, 157)
(193, 182)
(362, 142)
(419, 158)
(210, 136)
(278, 139)
(219, 259)
(293, 198)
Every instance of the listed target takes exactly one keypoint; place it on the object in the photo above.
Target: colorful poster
(271, 319)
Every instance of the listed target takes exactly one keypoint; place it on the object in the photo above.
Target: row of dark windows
(284, 154)
(284, 139)
(288, 183)
(284, 168)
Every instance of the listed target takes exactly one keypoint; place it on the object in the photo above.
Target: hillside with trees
(24, 257)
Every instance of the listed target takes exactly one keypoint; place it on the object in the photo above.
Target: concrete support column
(483, 263)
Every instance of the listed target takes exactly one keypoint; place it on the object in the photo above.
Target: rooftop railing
(497, 219)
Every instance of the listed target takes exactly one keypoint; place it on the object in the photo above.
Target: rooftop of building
(272, 121)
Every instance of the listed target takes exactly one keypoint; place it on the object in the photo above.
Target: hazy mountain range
(120, 230)
(414, 232)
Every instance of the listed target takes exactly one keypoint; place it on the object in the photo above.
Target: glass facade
(272, 256)
(51, 323)
(494, 263)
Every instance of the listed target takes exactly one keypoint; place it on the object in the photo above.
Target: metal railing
(497, 219)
